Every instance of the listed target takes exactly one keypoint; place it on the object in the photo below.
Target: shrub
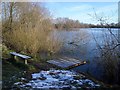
(29, 28)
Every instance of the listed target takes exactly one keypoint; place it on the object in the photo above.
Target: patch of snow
(36, 75)
(23, 79)
(18, 83)
(58, 79)
(97, 85)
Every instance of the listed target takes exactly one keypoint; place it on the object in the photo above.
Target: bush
(5, 52)
(29, 29)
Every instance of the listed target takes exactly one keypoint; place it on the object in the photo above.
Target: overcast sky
(84, 12)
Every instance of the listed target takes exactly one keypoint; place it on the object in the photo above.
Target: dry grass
(31, 29)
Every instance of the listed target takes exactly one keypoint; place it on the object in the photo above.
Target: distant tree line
(66, 23)
(111, 25)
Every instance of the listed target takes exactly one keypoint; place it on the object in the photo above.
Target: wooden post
(12, 56)
(25, 61)
(16, 59)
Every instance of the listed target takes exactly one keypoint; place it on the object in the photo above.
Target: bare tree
(30, 26)
(109, 52)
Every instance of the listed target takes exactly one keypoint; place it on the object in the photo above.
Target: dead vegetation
(27, 27)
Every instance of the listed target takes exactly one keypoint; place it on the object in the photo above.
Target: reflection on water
(80, 44)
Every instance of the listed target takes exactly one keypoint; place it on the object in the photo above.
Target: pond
(83, 44)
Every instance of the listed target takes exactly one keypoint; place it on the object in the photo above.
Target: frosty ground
(56, 79)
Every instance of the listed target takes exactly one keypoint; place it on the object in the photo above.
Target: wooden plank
(69, 61)
(72, 59)
(58, 63)
(20, 55)
(66, 62)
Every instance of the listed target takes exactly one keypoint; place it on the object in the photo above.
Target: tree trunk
(11, 13)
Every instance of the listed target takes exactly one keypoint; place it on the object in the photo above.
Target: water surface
(83, 44)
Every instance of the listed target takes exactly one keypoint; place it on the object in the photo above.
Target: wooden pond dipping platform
(66, 62)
